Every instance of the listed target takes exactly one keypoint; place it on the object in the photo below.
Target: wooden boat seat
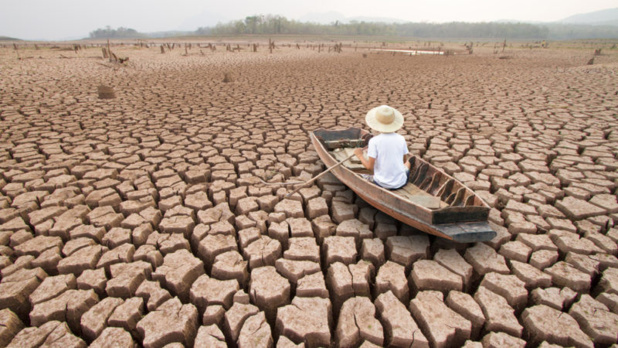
(428, 202)
(353, 163)
(420, 197)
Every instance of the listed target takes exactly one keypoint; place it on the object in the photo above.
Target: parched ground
(142, 219)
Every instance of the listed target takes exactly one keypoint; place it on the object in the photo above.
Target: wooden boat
(432, 201)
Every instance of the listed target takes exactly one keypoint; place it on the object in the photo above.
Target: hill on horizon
(602, 17)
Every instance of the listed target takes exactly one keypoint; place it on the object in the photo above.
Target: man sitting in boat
(386, 152)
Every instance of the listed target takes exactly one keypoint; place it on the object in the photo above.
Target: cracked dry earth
(141, 220)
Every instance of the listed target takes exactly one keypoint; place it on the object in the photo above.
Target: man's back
(388, 150)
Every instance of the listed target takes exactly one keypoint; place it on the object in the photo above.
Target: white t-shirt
(388, 150)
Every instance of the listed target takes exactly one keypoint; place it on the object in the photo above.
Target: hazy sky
(66, 19)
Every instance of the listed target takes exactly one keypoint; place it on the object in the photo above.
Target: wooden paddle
(319, 175)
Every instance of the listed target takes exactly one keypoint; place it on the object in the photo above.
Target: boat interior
(427, 186)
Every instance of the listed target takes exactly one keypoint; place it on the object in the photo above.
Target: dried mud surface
(141, 219)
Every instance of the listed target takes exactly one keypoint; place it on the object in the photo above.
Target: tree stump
(106, 92)
(227, 77)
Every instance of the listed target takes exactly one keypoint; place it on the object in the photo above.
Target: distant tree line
(120, 33)
(278, 25)
(558, 31)
(462, 30)
(273, 25)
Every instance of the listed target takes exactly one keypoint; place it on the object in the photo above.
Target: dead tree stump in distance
(106, 92)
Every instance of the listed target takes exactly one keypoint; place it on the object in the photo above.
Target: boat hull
(473, 228)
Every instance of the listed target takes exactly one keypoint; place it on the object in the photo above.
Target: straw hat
(384, 119)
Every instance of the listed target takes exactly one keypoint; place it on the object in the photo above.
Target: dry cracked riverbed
(141, 220)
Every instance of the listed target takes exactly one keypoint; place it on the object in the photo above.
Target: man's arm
(366, 163)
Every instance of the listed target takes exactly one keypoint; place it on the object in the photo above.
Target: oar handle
(319, 175)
